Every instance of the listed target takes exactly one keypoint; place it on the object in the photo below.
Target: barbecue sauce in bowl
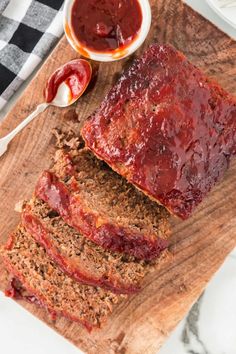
(106, 25)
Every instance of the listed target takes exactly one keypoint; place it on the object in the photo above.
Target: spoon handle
(5, 141)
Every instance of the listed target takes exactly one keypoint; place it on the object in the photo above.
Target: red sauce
(15, 290)
(76, 74)
(105, 25)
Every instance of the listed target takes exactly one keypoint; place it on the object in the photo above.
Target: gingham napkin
(28, 30)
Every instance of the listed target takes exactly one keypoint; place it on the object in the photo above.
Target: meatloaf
(102, 206)
(166, 128)
(27, 261)
(79, 257)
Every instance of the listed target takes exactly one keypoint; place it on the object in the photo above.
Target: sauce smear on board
(106, 25)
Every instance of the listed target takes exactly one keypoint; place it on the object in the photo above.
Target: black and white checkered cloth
(28, 30)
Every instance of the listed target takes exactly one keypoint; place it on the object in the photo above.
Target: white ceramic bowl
(228, 13)
(117, 54)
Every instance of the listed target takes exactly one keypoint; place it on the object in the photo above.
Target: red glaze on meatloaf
(74, 201)
(166, 128)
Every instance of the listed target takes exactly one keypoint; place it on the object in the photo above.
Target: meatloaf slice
(166, 128)
(103, 206)
(79, 257)
(27, 261)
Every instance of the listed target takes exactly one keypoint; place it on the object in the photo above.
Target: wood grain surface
(200, 245)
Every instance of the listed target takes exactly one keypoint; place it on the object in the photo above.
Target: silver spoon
(63, 98)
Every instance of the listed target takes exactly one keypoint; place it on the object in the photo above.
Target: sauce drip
(76, 74)
(106, 25)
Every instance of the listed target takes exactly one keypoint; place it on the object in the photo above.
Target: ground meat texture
(27, 261)
(100, 204)
(166, 128)
(81, 258)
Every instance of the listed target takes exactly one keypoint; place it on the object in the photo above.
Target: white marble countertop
(209, 328)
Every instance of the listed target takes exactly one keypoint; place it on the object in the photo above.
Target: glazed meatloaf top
(166, 128)
(102, 206)
(28, 261)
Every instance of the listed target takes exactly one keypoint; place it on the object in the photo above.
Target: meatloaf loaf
(79, 257)
(27, 261)
(166, 128)
(100, 204)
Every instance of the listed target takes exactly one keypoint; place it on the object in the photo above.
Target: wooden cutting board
(200, 245)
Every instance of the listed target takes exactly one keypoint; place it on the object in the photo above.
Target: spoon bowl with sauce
(106, 30)
(63, 88)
